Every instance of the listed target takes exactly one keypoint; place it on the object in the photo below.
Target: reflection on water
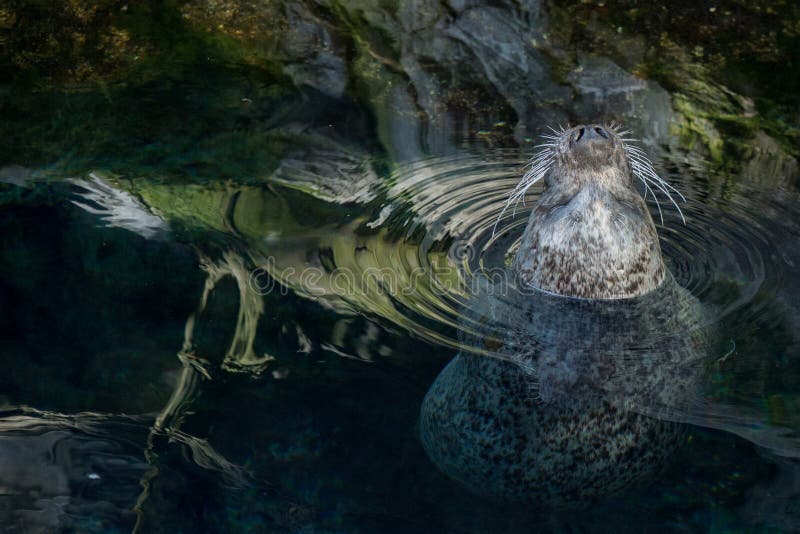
(420, 259)
(79, 472)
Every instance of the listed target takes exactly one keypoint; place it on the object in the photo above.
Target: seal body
(590, 355)
(576, 402)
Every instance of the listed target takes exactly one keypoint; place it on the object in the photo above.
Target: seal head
(590, 235)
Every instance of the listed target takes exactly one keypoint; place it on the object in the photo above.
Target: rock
(315, 58)
(769, 163)
(607, 91)
(503, 48)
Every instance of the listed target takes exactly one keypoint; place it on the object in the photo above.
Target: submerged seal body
(571, 407)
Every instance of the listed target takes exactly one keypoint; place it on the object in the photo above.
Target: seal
(570, 377)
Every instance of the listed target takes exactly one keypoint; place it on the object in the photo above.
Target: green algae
(696, 56)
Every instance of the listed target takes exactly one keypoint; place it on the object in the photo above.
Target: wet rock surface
(436, 73)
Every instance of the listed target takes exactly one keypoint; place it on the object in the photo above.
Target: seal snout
(587, 134)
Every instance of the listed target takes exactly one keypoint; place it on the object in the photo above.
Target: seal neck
(590, 243)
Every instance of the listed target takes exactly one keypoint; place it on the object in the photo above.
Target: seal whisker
(643, 168)
(530, 179)
(666, 192)
(658, 204)
(663, 182)
(539, 167)
(538, 164)
(536, 167)
(624, 222)
(646, 168)
(636, 152)
(674, 203)
(624, 230)
(516, 205)
(634, 148)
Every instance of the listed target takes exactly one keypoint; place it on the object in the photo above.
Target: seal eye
(580, 134)
(601, 132)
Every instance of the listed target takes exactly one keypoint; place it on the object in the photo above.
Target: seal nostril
(580, 134)
(601, 132)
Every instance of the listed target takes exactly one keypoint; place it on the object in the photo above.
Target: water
(226, 293)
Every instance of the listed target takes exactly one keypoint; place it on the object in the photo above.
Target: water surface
(226, 293)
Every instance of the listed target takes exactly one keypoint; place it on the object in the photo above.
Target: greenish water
(232, 268)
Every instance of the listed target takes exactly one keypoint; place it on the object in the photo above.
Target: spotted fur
(575, 405)
(590, 234)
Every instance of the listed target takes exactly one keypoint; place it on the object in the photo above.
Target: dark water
(225, 294)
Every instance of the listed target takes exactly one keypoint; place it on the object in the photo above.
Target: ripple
(441, 216)
(69, 471)
(413, 262)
